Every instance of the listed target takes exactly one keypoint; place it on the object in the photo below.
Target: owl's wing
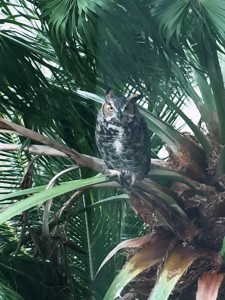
(145, 134)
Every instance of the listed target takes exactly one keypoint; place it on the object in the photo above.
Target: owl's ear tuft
(108, 90)
(135, 97)
(109, 94)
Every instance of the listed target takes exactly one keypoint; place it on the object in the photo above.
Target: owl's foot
(110, 172)
(127, 179)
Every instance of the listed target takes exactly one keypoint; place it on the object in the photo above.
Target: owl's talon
(105, 170)
(127, 179)
(113, 173)
(110, 172)
(125, 173)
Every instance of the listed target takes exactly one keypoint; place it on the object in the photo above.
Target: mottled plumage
(122, 137)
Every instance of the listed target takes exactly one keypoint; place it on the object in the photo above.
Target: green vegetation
(61, 222)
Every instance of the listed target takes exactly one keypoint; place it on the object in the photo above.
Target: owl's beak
(119, 114)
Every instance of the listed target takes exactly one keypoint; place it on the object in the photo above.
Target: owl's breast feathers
(125, 145)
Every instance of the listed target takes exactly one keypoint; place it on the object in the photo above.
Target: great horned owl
(122, 137)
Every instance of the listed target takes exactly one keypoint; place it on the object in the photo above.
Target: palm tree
(170, 51)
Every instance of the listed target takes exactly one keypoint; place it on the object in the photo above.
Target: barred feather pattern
(122, 137)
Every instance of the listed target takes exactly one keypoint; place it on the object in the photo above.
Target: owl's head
(119, 109)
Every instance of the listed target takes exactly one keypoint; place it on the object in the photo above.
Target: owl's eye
(110, 108)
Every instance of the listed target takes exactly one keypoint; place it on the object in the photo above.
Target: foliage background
(55, 58)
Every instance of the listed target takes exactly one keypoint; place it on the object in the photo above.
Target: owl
(122, 138)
